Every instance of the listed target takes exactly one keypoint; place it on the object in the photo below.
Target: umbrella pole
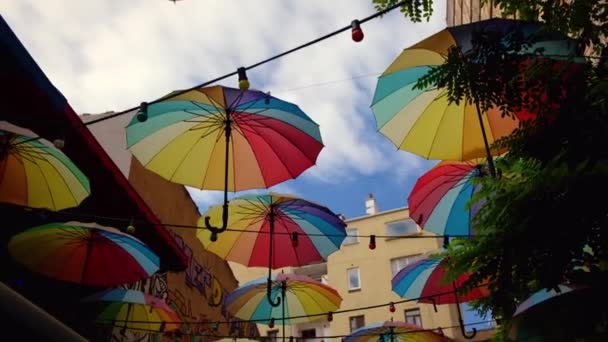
(283, 289)
(216, 230)
(271, 217)
(460, 320)
(485, 141)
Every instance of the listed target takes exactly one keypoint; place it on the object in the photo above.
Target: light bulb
(356, 31)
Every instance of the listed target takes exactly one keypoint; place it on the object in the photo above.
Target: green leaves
(415, 10)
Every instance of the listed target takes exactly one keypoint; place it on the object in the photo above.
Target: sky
(114, 54)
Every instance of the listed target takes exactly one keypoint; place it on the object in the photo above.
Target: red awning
(30, 100)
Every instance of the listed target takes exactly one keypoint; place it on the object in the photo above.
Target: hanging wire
(282, 54)
(262, 321)
(317, 337)
(121, 220)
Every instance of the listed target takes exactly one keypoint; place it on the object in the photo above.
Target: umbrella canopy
(319, 232)
(84, 253)
(394, 331)
(425, 277)
(544, 295)
(304, 296)
(35, 174)
(184, 140)
(422, 121)
(438, 201)
(577, 313)
(136, 310)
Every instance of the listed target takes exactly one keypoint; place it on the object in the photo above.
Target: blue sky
(112, 55)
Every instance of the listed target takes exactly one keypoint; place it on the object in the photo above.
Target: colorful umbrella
(220, 138)
(576, 313)
(301, 296)
(297, 231)
(424, 279)
(84, 253)
(35, 174)
(136, 310)
(422, 121)
(438, 202)
(390, 331)
(544, 295)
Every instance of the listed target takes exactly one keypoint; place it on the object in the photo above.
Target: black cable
(282, 54)
(72, 214)
(316, 337)
(262, 321)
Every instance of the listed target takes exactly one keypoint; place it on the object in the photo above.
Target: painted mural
(210, 294)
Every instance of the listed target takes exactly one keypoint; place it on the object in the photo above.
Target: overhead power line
(255, 65)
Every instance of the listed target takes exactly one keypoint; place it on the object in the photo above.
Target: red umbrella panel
(438, 202)
(425, 279)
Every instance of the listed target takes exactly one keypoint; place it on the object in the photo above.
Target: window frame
(354, 237)
(419, 316)
(350, 320)
(413, 258)
(393, 236)
(348, 270)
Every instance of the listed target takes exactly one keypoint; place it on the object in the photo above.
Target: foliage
(416, 10)
(544, 219)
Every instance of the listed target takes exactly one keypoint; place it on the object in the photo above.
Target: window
(272, 335)
(398, 264)
(401, 227)
(412, 316)
(308, 333)
(356, 322)
(352, 236)
(354, 282)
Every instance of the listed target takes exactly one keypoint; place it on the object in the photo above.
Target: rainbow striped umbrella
(317, 231)
(390, 331)
(84, 253)
(35, 174)
(183, 138)
(423, 121)
(133, 309)
(304, 296)
(544, 295)
(424, 279)
(438, 201)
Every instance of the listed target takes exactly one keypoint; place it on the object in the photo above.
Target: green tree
(544, 220)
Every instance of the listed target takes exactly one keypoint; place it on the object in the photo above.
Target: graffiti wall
(196, 293)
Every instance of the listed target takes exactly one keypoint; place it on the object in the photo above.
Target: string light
(372, 242)
(312, 42)
(243, 80)
(121, 220)
(391, 307)
(356, 31)
(142, 114)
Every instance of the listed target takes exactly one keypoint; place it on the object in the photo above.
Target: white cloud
(111, 55)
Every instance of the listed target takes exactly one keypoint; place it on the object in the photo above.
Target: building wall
(375, 276)
(459, 12)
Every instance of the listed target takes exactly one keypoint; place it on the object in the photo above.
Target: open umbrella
(133, 309)
(394, 331)
(34, 173)
(438, 201)
(275, 230)
(570, 312)
(84, 253)
(422, 121)
(424, 279)
(300, 295)
(220, 138)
